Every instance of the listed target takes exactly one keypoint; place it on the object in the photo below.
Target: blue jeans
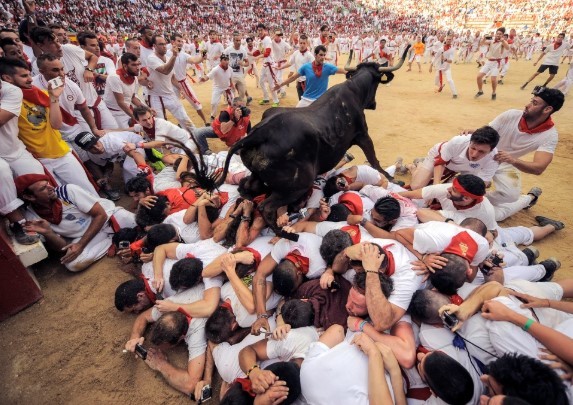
(201, 135)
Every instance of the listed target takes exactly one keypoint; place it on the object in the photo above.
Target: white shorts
(491, 67)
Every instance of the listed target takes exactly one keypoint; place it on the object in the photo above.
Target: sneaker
(532, 254)
(535, 192)
(455, 96)
(551, 266)
(21, 236)
(419, 160)
(523, 87)
(400, 168)
(484, 81)
(111, 194)
(157, 166)
(274, 104)
(500, 81)
(207, 124)
(263, 102)
(249, 99)
(542, 221)
(493, 96)
(207, 152)
(348, 157)
(478, 94)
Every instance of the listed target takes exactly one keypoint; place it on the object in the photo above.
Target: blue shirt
(316, 86)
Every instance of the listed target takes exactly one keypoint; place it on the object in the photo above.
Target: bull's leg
(364, 142)
(270, 206)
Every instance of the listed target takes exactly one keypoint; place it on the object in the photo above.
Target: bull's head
(382, 74)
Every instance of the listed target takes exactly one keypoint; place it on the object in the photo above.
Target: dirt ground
(68, 348)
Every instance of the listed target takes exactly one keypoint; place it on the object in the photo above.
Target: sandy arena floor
(67, 349)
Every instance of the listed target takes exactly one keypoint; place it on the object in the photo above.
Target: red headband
(460, 189)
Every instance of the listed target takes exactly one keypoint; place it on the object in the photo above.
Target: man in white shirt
(161, 96)
(520, 133)
(238, 60)
(462, 154)
(280, 51)
(222, 85)
(552, 54)
(121, 89)
(89, 42)
(180, 74)
(495, 47)
(268, 77)
(214, 49)
(299, 57)
(444, 55)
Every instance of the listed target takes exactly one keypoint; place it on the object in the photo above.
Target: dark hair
(169, 328)
(338, 213)
(334, 242)
(10, 66)
(319, 48)
(330, 188)
(128, 57)
(386, 283)
(284, 278)
(56, 26)
(528, 378)
(231, 231)
(448, 379)
(425, 304)
(49, 57)
(176, 35)
(160, 234)
(261, 25)
(39, 35)
(83, 35)
(7, 42)
(152, 216)
(129, 234)
(475, 225)
(218, 327)
(323, 27)
(144, 28)
(501, 29)
(137, 184)
(388, 207)
(553, 97)
(126, 293)
(185, 273)
(485, 135)
(452, 276)
(23, 29)
(154, 38)
(472, 184)
(140, 111)
(298, 313)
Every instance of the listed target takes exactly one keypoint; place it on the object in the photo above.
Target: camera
(141, 351)
(449, 320)
(495, 260)
(298, 215)
(334, 285)
(206, 393)
(245, 111)
(124, 244)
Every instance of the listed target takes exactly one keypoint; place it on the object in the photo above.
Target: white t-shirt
(364, 174)
(113, 143)
(195, 337)
(483, 211)
(294, 346)
(267, 43)
(434, 237)
(298, 59)
(76, 203)
(167, 131)
(188, 232)
(221, 77)
(114, 84)
(517, 143)
(214, 51)
(180, 67)
(74, 60)
(147, 271)
(308, 246)
(455, 153)
(144, 55)
(10, 101)
(322, 228)
(237, 58)
(104, 66)
(552, 55)
(408, 209)
(280, 50)
(161, 82)
(243, 317)
(205, 250)
(261, 244)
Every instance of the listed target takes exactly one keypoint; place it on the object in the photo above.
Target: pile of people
(418, 293)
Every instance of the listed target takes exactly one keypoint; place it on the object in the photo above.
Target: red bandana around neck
(302, 263)
(556, 46)
(148, 291)
(544, 126)
(189, 317)
(124, 76)
(52, 213)
(317, 69)
(144, 44)
(391, 267)
(303, 52)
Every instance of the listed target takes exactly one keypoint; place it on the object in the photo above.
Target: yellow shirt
(37, 133)
(418, 48)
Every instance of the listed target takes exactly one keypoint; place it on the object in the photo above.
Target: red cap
(463, 245)
(26, 180)
(353, 202)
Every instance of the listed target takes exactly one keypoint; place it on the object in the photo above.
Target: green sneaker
(157, 166)
(263, 102)
(274, 104)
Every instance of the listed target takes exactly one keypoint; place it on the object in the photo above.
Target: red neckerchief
(422, 349)
(224, 68)
(124, 76)
(52, 213)
(144, 44)
(227, 305)
(150, 131)
(555, 46)
(189, 317)
(148, 291)
(391, 267)
(303, 52)
(447, 47)
(256, 255)
(456, 300)
(349, 179)
(302, 263)
(196, 45)
(317, 69)
(544, 126)
(323, 40)
(246, 386)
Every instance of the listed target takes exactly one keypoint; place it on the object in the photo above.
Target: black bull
(290, 147)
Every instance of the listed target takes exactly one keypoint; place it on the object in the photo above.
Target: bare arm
(88, 117)
(540, 162)
(122, 104)
(401, 340)
(168, 67)
(183, 380)
(204, 308)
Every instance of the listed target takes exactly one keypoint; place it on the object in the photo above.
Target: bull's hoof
(398, 182)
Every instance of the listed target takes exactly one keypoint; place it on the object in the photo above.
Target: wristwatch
(266, 316)
(89, 69)
(363, 222)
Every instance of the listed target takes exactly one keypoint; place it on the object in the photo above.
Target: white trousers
(216, 99)
(267, 79)
(507, 181)
(443, 76)
(172, 104)
(121, 118)
(68, 170)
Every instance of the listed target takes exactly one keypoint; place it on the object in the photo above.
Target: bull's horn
(347, 66)
(398, 66)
